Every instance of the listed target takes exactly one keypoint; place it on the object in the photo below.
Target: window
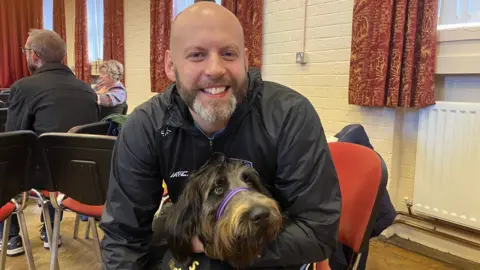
(458, 37)
(94, 22)
(48, 14)
(95, 29)
(451, 12)
(179, 5)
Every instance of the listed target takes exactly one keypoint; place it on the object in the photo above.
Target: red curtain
(393, 53)
(16, 19)
(59, 21)
(82, 64)
(113, 32)
(250, 15)
(160, 22)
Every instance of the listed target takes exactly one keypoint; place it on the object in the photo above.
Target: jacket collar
(178, 115)
(52, 66)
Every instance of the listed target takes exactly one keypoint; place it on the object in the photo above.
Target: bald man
(218, 104)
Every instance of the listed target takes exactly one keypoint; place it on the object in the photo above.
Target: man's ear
(36, 59)
(169, 67)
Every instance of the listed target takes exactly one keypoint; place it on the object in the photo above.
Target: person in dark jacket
(52, 99)
(218, 104)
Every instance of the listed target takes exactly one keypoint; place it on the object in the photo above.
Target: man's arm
(134, 194)
(19, 114)
(308, 184)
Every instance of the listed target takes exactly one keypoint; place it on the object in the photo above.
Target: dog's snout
(259, 213)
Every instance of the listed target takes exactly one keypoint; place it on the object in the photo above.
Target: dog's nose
(259, 213)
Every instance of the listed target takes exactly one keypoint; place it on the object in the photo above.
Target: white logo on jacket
(179, 174)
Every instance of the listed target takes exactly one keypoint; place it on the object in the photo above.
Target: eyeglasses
(24, 50)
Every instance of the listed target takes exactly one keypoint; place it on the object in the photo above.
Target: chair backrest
(77, 165)
(3, 118)
(120, 109)
(363, 176)
(4, 96)
(17, 164)
(99, 128)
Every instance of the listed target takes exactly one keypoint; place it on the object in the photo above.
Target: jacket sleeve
(134, 194)
(307, 188)
(19, 115)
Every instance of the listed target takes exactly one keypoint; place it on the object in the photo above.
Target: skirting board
(433, 241)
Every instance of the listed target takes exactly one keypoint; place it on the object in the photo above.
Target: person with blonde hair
(111, 93)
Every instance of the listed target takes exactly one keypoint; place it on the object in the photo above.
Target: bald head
(208, 15)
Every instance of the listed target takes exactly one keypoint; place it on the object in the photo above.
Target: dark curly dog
(225, 204)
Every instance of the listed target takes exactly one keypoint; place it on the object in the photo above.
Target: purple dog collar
(225, 201)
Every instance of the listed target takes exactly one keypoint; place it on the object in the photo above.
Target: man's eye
(230, 55)
(196, 55)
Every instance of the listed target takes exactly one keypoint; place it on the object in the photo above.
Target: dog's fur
(236, 237)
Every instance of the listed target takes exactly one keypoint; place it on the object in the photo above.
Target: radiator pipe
(433, 231)
(435, 222)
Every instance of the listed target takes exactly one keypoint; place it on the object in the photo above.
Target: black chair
(17, 168)
(4, 96)
(98, 128)
(119, 109)
(3, 118)
(77, 167)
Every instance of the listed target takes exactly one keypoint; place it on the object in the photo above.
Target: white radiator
(447, 170)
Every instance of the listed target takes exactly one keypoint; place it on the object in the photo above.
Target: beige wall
(324, 79)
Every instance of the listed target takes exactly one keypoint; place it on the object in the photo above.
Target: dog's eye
(219, 190)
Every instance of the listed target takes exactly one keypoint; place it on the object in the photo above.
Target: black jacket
(52, 99)
(275, 128)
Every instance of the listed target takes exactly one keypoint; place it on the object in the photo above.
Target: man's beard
(214, 110)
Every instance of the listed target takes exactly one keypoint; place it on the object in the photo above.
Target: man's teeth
(215, 90)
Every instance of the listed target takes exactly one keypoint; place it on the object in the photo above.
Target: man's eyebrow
(193, 48)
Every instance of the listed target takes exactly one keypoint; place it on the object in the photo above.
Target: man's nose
(215, 66)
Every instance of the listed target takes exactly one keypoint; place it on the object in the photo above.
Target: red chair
(78, 169)
(16, 173)
(363, 177)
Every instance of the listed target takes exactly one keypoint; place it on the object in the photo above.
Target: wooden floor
(80, 254)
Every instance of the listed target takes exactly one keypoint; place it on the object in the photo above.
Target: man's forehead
(205, 34)
(206, 17)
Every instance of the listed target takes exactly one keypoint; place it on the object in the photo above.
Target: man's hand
(197, 245)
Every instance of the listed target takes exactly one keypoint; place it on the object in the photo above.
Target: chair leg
(54, 242)
(26, 240)
(357, 261)
(48, 228)
(87, 230)
(93, 225)
(6, 230)
(75, 228)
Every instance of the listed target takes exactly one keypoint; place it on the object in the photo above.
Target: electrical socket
(300, 58)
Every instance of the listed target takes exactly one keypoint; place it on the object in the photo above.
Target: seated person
(218, 104)
(110, 91)
(52, 99)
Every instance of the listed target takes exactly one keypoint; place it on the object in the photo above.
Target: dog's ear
(183, 221)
